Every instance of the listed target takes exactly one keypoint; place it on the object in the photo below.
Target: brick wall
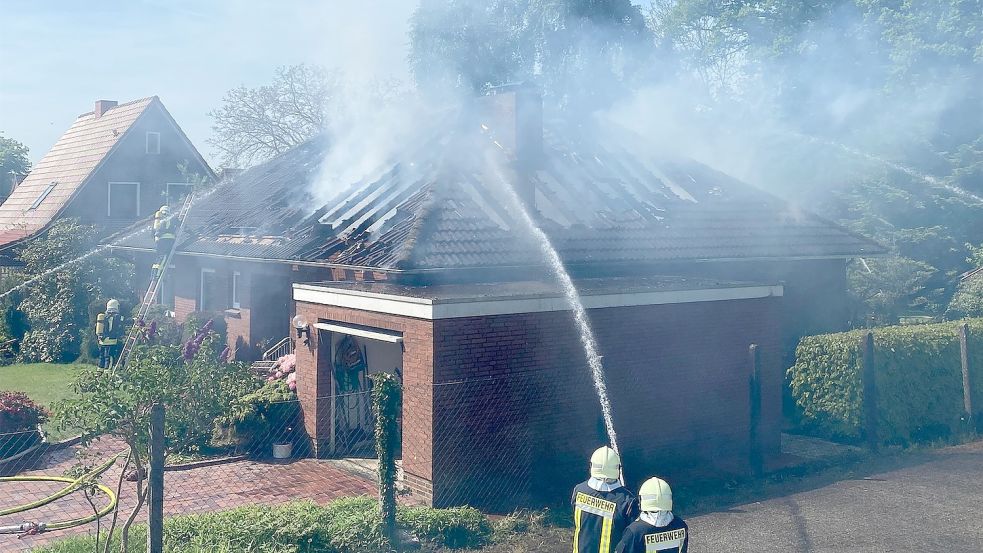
(315, 385)
(500, 410)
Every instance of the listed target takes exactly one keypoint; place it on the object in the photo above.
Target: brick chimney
(513, 115)
(102, 106)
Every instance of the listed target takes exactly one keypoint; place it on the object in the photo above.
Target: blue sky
(58, 56)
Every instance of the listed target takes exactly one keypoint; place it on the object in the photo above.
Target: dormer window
(153, 142)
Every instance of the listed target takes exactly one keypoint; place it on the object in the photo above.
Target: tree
(56, 306)
(13, 163)
(581, 52)
(192, 382)
(255, 124)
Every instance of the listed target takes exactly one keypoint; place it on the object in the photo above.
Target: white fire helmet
(605, 463)
(112, 306)
(655, 495)
(164, 209)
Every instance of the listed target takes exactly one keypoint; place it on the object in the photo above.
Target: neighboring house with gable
(116, 164)
(426, 267)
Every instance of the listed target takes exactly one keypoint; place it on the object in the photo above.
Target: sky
(58, 56)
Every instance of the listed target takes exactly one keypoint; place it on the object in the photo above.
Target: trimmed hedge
(347, 525)
(919, 381)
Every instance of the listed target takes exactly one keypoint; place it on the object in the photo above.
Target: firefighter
(109, 332)
(602, 506)
(163, 236)
(656, 529)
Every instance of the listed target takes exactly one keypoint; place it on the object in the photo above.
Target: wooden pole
(967, 384)
(155, 481)
(870, 390)
(756, 456)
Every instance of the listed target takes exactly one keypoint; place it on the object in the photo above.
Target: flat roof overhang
(454, 301)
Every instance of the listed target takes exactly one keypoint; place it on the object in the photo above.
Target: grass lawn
(45, 383)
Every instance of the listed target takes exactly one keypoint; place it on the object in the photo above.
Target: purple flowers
(193, 346)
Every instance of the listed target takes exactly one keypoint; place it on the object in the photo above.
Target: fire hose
(74, 484)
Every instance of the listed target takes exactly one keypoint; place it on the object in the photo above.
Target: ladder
(154, 288)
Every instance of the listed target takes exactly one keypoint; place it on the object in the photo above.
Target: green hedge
(348, 525)
(918, 373)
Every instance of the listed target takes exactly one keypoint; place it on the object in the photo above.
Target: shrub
(918, 373)
(346, 525)
(198, 319)
(19, 419)
(254, 419)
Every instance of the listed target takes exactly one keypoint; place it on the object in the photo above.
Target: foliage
(56, 306)
(197, 320)
(13, 163)
(387, 403)
(19, 412)
(255, 418)
(918, 375)
(968, 300)
(581, 52)
(13, 322)
(348, 525)
(888, 287)
(255, 124)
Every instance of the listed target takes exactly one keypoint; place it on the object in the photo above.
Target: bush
(347, 525)
(198, 319)
(919, 381)
(19, 420)
(256, 418)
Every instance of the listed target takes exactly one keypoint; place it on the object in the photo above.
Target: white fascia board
(423, 308)
(381, 335)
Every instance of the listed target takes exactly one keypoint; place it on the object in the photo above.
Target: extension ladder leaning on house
(154, 288)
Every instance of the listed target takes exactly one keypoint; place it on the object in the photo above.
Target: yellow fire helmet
(112, 306)
(605, 463)
(655, 495)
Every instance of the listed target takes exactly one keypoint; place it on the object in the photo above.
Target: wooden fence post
(756, 459)
(967, 383)
(155, 481)
(870, 390)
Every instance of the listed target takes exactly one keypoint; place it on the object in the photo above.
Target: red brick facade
(500, 410)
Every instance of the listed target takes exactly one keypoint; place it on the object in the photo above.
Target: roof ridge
(117, 106)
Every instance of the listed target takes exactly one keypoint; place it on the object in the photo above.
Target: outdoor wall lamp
(302, 327)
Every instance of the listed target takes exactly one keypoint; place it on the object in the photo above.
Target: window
(124, 200)
(153, 142)
(209, 298)
(44, 194)
(236, 282)
(177, 192)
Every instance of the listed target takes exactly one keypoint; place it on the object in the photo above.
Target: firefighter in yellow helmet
(656, 529)
(109, 333)
(602, 506)
(163, 236)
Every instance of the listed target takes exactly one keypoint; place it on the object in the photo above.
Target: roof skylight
(44, 194)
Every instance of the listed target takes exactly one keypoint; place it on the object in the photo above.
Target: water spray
(573, 298)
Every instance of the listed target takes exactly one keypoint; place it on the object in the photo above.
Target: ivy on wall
(387, 403)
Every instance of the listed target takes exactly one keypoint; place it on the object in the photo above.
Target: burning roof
(440, 205)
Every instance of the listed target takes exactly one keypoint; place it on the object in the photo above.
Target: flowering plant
(285, 369)
(19, 412)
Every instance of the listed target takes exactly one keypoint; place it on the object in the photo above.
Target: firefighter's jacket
(163, 226)
(109, 328)
(600, 516)
(644, 537)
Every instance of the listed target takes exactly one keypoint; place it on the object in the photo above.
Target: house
(115, 165)
(429, 269)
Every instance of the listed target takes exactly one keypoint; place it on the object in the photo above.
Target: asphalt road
(932, 503)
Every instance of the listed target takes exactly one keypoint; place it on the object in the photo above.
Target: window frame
(167, 189)
(236, 277)
(147, 143)
(42, 196)
(201, 286)
(109, 198)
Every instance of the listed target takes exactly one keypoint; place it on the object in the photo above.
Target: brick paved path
(197, 490)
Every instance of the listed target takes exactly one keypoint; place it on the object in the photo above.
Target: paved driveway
(933, 503)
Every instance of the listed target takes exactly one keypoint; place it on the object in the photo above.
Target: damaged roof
(444, 203)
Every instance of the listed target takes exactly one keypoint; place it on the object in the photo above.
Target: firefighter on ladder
(602, 506)
(656, 529)
(109, 332)
(163, 237)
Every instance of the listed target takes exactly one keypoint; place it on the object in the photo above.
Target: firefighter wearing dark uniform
(656, 529)
(163, 235)
(602, 506)
(109, 332)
